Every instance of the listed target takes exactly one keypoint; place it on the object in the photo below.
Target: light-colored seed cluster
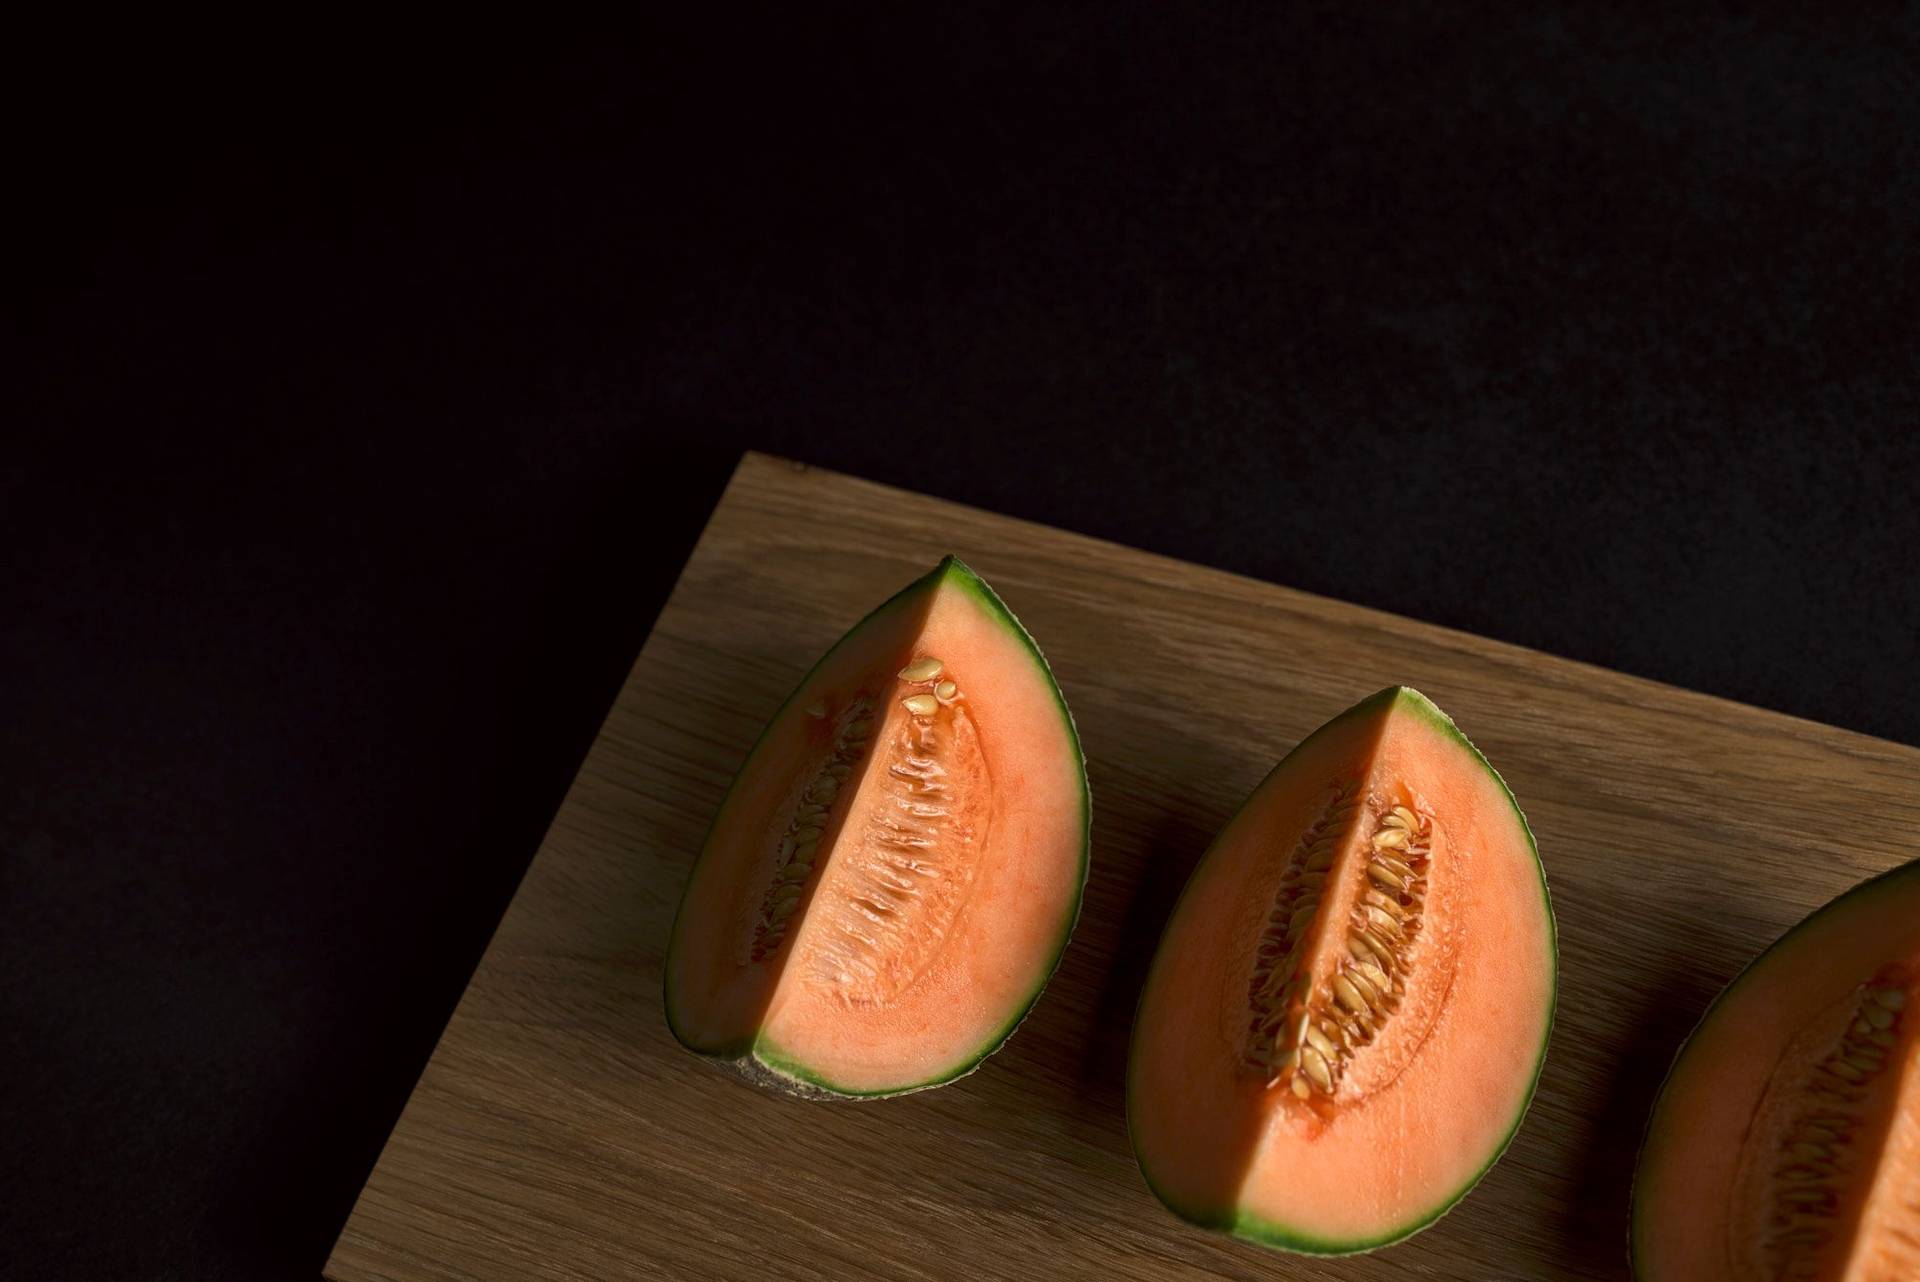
(1812, 1169)
(935, 693)
(800, 844)
(1276, 985)
(1311, 1036)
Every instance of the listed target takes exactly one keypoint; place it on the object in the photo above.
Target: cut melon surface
(1349, 1009)
(896, 869)
(1785, 1143)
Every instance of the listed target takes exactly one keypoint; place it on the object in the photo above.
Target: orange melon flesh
(1786, 1140)
(1426, 1104)
(950, 860)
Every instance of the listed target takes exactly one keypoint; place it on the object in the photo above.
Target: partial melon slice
(894, 873)
(1350, 1007)
(1786, 1141)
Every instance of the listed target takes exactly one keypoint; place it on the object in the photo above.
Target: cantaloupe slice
(895, 871)
(1786, 1141)
(1350, 1007)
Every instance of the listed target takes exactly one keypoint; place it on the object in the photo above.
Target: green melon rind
(764, 1063)
(1862, 891)
(1270, 1233)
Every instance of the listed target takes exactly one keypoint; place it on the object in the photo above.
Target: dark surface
(373, 398)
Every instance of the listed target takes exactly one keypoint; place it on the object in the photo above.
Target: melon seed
(1395, 866)
(1800, 1174)
(1377, 920)
(860, 729)
(1374, 998)
(1891, 998)
(1348, 996)
(1879, 1016)
(1360, 948)
(1320, 1041)
(816, 710)
(921, 705)
(1386, 904)
(1299, 1086)
(946, 690)
(1315, 1065)
(1385, 876)
(1301, 916)
(1396, 838)
(927, 669)
(1381, 943)
(1406, 817)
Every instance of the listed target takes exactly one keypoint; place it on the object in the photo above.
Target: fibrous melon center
(885, 838)
(1831, 1168)
(799, 846)
(1342, 947)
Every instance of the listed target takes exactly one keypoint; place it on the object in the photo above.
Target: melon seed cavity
(1274, 988)
(1305, 1037)
(799, 846)
(904, 871)
(1818, 1160)
(909, 836)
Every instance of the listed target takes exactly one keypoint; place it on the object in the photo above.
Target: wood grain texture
(560, 1133)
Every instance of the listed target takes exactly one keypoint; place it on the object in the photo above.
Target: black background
(370, 387)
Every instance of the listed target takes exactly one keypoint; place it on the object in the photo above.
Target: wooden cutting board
(559, 1132)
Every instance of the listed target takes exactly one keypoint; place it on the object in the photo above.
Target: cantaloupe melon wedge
(1350, 1007)
(895, 871)
(1786, 1140)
